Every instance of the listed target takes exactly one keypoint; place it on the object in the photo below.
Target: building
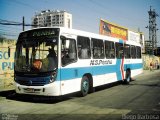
(157, 51)
(49, 18)
(148, 47)
(142, 42)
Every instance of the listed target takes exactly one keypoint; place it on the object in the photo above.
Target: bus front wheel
(84, 86)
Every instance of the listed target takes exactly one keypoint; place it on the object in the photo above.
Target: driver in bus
(52, 58)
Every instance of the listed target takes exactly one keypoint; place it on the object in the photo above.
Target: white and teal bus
(58, 61)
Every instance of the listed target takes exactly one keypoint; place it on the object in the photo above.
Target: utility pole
(23, 24)
(152, 30)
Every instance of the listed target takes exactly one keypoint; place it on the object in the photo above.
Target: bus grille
(39, 81)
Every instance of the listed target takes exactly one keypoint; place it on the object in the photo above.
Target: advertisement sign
(6, 62)
(109, 29)
(133, 36)
(142, 42)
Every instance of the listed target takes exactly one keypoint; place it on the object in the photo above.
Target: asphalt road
(139, 100)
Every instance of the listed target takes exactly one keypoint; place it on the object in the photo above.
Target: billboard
(133, 36)
(110, 29)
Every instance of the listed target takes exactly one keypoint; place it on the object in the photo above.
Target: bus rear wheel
(85, 85)
(128, 77)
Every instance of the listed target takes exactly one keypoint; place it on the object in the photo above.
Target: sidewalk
(6, 83)
(147, 72)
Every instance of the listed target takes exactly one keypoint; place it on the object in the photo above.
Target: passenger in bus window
(84, 53)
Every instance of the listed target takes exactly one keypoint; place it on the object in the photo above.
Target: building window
(69, 23)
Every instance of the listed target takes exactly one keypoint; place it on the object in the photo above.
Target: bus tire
(128, 77)
(85, 85)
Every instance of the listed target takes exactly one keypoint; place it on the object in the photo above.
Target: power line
(7, 33)
(10, 23)
(7, 22)
(10, 27)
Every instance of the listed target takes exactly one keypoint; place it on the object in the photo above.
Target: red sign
(113, 30)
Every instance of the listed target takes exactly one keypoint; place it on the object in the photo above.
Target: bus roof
(64, 30)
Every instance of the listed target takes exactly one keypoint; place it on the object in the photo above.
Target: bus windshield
(36, 54)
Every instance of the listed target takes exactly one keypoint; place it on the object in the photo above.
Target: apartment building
(49, 18)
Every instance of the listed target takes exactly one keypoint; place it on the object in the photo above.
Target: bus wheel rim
(128, 77)
(85, 86)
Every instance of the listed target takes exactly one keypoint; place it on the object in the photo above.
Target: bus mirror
(63, 37)
(9, 51)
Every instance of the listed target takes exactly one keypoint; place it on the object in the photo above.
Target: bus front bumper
(52, 89)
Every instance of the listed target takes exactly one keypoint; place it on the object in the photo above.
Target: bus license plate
(30, 90)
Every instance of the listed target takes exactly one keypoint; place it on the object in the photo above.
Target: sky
(132, 14)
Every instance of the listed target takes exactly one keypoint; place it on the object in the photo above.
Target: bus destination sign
(40, 33)
(43, 33)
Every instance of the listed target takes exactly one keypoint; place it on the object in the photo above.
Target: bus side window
(127, 51)
(138, 52)
(83, 47)
(109, 49)
(119, 50)
(68, 51)
(133, 51)
(97, 48)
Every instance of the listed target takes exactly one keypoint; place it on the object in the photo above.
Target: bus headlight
(52, 78)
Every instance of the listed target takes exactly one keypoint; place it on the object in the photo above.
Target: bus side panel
(104, 74)
(71, 77)
(136, 72)
(135, 65)
(70, 86)
(104, 79)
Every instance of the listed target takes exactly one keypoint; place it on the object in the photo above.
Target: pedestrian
(151, 66)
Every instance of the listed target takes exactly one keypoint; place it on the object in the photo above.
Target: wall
(147, 59)
(6, 63)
